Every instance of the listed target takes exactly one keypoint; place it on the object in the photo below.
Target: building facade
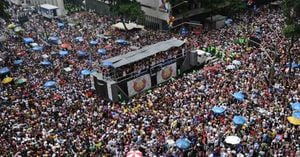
(59, 3)
(157, 12)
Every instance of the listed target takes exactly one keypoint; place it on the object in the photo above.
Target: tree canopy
(3, 7)
(128, 9)
(292, 14)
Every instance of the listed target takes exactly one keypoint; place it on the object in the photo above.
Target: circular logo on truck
(139, 85)
(167, 73)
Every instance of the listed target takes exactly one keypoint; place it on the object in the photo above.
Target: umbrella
(183, 143)
(134, 153)
(17, 62)
(230, 67)
(7, 80)
(45, 56)
(4, 70)
(60, 24)
(294, 65)
(85, 72)
(108, 47)
(65, 46)
(18, 29)
(63, 53)
(1, 59)
(217, 109)
(106, 63)
(93, 42)
(170, 142)
(82, 53)
(296, 115)
(53, 38)
(293, 120)
(102, 51)
(236, 62)
(21, 81)
(28, 40)
(295, 106)
(232, 140)
(239, 120)
(80, 39)
(45, 63)
(11, 26)
(49, 84)
(121, 41)
(68, 69)
(239, 96)
(34, 44)
(37, 48)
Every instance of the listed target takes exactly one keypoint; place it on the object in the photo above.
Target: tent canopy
(145, 52)
(129, 26)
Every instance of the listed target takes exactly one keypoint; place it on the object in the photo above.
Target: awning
(129, 26)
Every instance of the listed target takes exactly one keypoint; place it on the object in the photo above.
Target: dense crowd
(70, 120)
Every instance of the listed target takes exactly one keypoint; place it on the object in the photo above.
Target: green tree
(214, 6)
(292, 29)
(3, 7)
(237, 6)
(127, 9)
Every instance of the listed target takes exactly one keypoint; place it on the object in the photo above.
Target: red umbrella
(134, 153)
(21, 53)
(108, 47)
(65, 46)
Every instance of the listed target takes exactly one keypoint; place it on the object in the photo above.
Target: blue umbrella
(295, 65)
(17, 62)
(37, 48)
(296, 115)
(53, 38)
(239, 120)
(239, 96)
(93, 42)
(28, 40)
(295, 106)
(63, 53)
(121, 41)
(80, 39)
(85, 72)
(107, 63)
(4, 70)
(217, 109)
(45, 63)
(82, 53)
(183, 143)
(50, 84)
(60, 24)
(102, 51)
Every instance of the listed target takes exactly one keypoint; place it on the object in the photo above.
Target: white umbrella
(34, 44)
(68, 69)
(230, 67)
(232, 140)
(236, 62)
(134, 153)
(1, 59)
(45, 56)
(170, 142)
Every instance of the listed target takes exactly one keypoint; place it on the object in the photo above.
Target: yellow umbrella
(294, 120)
(7, 80)
(11, 26)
